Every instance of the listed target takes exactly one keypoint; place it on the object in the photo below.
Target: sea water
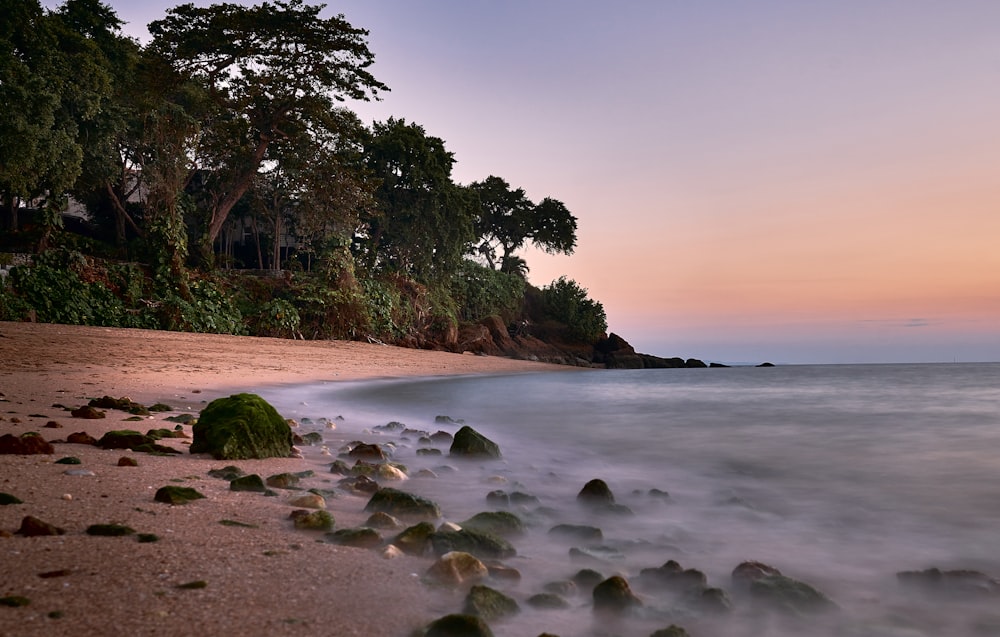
(839, 476)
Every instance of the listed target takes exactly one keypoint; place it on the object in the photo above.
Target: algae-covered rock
(124, 439)
(283, 481)
(312, 520)
(229, 472)
(458, 626)
(6, 498)
(360, 537)
(502, 523)
(789, 595)
(489, 603)
(177, 495)
(415, 540)
(402, 504)
(110, 530)
(68, 460)
(478, 543)
(239, 427)
(252, 482)
(470, 443)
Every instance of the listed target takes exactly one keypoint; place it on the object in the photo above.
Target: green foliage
(276, 317)
(480, 291)
(567, 302)
(210, 309)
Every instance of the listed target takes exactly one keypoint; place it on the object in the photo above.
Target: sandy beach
(262, 579)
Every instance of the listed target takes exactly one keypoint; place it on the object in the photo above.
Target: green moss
(177, 495)
(239, 427)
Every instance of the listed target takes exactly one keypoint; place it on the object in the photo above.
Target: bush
(567, 302)
(480, 291)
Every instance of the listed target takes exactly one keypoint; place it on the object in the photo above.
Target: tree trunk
(8, 221)
(239, 188)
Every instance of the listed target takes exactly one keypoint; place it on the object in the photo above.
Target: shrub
(480, 291)
(567, 302)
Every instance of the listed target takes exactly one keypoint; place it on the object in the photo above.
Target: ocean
(839, 476)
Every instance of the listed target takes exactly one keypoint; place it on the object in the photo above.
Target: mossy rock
(789, 595)
(184, 419)
(160, 407)
(313, 438)
(502, 523)
(415, 540)
(615, 595)
(14, 601)
(402, 504)
(110, 530)
(122, 404)
(6, 498)
(548, 601)
(283, 481)
(177, 495)
(312, 520)
(360, 537)
(489, 603)
(68, 460)
(458, 626)
(242, 426)
(252, 482)
(470, 443)
(229, 472)
(166, 433)
(482, 545)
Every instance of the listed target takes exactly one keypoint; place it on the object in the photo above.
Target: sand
(267, 580)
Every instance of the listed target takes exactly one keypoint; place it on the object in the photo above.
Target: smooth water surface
(840, 476)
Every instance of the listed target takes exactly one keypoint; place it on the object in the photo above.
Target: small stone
(68, 460)
(312, 520)
(402, 504)
(33, 527)
(81, 438)
(391, 552)
(673, 630)
(177, 495)
(195, 585)
(252, 482)
(145, 538)
(125, 461)
(458, 626)
(87, 412)
(415, 540)
(596, 492)
(229, 472)
(382, 520)
(79, 472)
(283, 481)
(26, 444)
(361, 537)
(489, 603)
(6, 498)
(615, 595)
(52, 424)
(67, 496)
(547, 601)
(502, 523)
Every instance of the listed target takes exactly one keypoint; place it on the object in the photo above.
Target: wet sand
(264, 579)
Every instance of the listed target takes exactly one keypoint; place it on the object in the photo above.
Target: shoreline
(269, 579)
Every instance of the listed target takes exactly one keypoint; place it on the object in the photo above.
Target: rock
(391, 552)
(587, 578)
(415, 540)
(458, 626)
(402, 504)
(614, 595)
(441, 438)
(954, 584)
(177, 495)
(122, 404)
(483, 545)
(33, 527)
(124, 439)
(672, 630)
(340, 467)
(428, 452)
(500, 571)
(391, 427)
(252, 482)
(548, 601)
(361, 484)
(364, 451)
(6, 498)
(14, 601)
(81, 438)
(229, 472)
(713, 600)
(789, 595)
(241, 426)
(672, 576)
(52, 424)
(498, 498)
(125, 461)
(183, 419)
(596, 493)
(561, 587)
(27, 444)
(79, 472)
(382, 520)
(500, 523)
(312, 520)
(283, 481)
(160, 407)
(766, 364)
(456, 568)
(361, 537)
(157, 434)
(489, 603)
(600, 553)
(313, 438)
(577, 532)
(470, 443)
(109, 530)
(746, 572)
(309, 501)
(87, 412)
(68, 460)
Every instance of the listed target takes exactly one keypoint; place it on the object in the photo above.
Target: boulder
(596, 493)
(283, 481)
(382, 520)
(177, 495)
(502, 523)
(458, 626)
(124, 439)
(456, 568)
(365, 451)
(240, 427)
(312, 520)
(27, 444)
(470, 443)
(309, 501)
(671, 576)
(415, 540)
(87, 412)
(252, 482)
(746, 572)
(785, 594)
(489, 603)
(478, 543)
(402, 504)
(614, 595)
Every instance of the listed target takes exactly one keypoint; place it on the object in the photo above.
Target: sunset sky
(779, 180)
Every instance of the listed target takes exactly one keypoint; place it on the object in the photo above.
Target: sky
(754, 180)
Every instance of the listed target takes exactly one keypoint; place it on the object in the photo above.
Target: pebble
(79, 472)
(67, 496)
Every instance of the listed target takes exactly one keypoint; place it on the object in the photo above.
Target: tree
(273, 71)
(53, 79)
(423, 225)
(507, 220)
(568, 303)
